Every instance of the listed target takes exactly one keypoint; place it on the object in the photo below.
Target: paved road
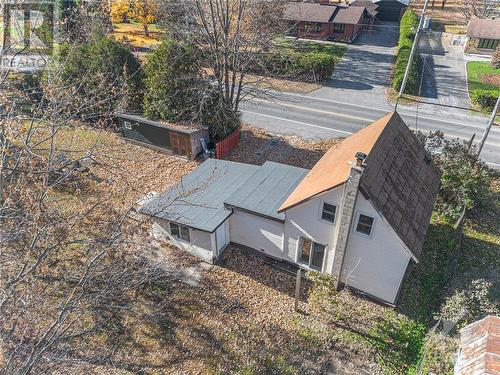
(363, 73)
(318, 118)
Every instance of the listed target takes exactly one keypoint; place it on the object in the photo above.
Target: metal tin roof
(178, 127)
(198, 200)
(267, 188)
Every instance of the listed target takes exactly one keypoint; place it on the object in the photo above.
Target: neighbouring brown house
(483, 36)
(479, 351)
(340, 22)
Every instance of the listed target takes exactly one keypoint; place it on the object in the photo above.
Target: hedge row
(486, 99)
(309, 66)
(407, 29)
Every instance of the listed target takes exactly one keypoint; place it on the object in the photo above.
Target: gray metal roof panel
(267, 188)
(198, 199)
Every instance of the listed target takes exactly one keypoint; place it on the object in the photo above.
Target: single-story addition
(483, 36)
(339, 22)
(360, 214)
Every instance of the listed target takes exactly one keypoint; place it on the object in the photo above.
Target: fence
(228, 144)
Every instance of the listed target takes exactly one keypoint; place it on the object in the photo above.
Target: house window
(127, 125)
(365, 224)
(338, 28)
(328, 212)
(318, 27)
(311, 253)
(488, 43)
(180, 231)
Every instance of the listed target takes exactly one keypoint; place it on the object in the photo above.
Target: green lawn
(303, 46)
(482, 78)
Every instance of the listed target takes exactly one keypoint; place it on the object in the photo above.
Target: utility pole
(488, 127)
(413, 49)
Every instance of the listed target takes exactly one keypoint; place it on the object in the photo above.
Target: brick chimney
(346, 215)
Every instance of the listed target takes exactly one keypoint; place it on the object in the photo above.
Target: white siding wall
(304, 220)
(200, 245)
(374, 264)
(257, 232)
(223, 237)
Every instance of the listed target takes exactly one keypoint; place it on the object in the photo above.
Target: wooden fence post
(297, 289)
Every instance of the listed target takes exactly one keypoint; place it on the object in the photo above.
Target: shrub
(310, 66)
(102, 73)
(465, 179)
(171, 77)
(486, 99)
(413, 82)
(407, 30)
(175, 90)
(470, 304)
(495, 59)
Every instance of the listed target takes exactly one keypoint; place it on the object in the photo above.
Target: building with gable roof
(360, 214)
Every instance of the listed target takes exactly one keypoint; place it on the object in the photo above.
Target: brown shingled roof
(368, 4)
(399, 178)
(479, 351)
(349, 15)
(485, 29)
(333, 168)
(402, 182)
(309, 12)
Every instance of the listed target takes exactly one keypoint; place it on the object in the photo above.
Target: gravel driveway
(363, 73)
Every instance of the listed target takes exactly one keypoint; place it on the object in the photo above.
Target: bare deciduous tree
(69, 266)
(231, 33)
(479, 8)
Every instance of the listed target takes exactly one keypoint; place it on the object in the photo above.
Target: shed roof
(349, 15)
(485, 29)
(309, 12)
(177, 127)
(399, 178)
(267, 188)
(198, 200)
(479, 351)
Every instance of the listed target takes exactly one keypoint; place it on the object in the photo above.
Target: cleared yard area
(240, 318)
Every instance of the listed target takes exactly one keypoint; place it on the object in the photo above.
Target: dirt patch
(285, 85)
(490, 79)
(257, 146)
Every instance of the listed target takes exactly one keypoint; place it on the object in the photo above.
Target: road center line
(317, 110)
(343, 131)
(403, 112)
(297, 122)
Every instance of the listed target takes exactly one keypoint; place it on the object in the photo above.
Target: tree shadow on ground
(424, 281)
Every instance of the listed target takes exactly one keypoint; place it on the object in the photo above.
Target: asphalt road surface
(319, 118)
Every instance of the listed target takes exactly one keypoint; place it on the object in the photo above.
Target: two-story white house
(361, 213)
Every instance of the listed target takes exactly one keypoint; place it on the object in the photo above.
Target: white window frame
(322, 203)
(179, 225)
(355, 228)
(127, 125)
(307, 266)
